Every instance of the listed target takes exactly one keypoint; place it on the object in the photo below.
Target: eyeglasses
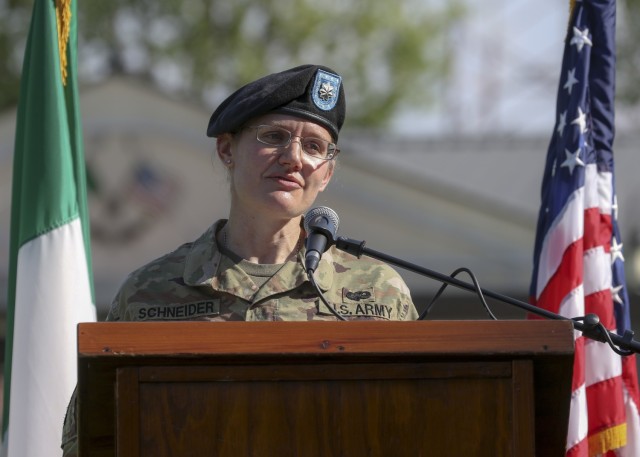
(279, 137)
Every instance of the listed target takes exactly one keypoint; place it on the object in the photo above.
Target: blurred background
(450, 111)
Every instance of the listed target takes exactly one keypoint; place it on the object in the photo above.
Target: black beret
(313, 92)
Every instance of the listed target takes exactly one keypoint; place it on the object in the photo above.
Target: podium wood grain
(439, 388)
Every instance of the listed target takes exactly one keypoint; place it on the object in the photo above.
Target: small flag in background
(50, 280)
(578, 261)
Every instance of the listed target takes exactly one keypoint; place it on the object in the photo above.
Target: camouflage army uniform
(196, 282)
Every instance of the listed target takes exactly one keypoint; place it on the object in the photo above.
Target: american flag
(578, 261)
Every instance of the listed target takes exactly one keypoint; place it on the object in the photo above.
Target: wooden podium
(360, 388)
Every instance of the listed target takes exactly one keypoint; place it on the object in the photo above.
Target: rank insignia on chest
(358, 296)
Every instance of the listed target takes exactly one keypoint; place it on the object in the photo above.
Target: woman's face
(280, 182)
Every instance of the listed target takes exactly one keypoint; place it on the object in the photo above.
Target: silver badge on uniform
(325, 90)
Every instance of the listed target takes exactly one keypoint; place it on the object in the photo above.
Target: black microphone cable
(322, 297)
(444, 285)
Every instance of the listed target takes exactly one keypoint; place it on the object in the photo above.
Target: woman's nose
(293, 152)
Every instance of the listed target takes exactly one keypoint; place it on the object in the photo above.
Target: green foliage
(628, 55)
(390, 54)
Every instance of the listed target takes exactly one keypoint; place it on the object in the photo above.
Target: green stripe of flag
(49, 184)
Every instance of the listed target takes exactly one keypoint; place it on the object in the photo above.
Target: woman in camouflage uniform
(277, 138)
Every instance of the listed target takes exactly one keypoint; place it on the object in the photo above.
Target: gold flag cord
(572, 5)
(63, 21)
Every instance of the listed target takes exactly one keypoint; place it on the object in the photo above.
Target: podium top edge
(189, 338)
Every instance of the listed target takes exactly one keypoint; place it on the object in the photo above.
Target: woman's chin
(286, 204)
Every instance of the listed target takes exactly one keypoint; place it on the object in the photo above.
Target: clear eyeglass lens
(280, 137)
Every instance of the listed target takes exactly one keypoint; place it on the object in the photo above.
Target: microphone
(321, 225)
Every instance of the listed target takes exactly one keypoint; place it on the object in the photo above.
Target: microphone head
(321, 219)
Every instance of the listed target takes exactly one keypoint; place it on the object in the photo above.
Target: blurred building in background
(440, 202)
(455, 186)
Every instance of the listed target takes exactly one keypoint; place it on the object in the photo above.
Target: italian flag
(50, 281)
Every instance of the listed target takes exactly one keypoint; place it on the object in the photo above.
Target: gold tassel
(608, 439)
(63, 20)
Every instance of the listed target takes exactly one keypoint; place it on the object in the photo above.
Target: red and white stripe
(575, 279)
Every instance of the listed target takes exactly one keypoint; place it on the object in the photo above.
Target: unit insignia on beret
(326, 89)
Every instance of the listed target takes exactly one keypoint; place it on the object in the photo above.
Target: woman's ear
(224, 148)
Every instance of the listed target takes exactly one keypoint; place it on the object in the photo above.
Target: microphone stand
(590, 326)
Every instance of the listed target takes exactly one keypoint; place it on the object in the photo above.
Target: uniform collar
(202, 265)
(203, 259)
